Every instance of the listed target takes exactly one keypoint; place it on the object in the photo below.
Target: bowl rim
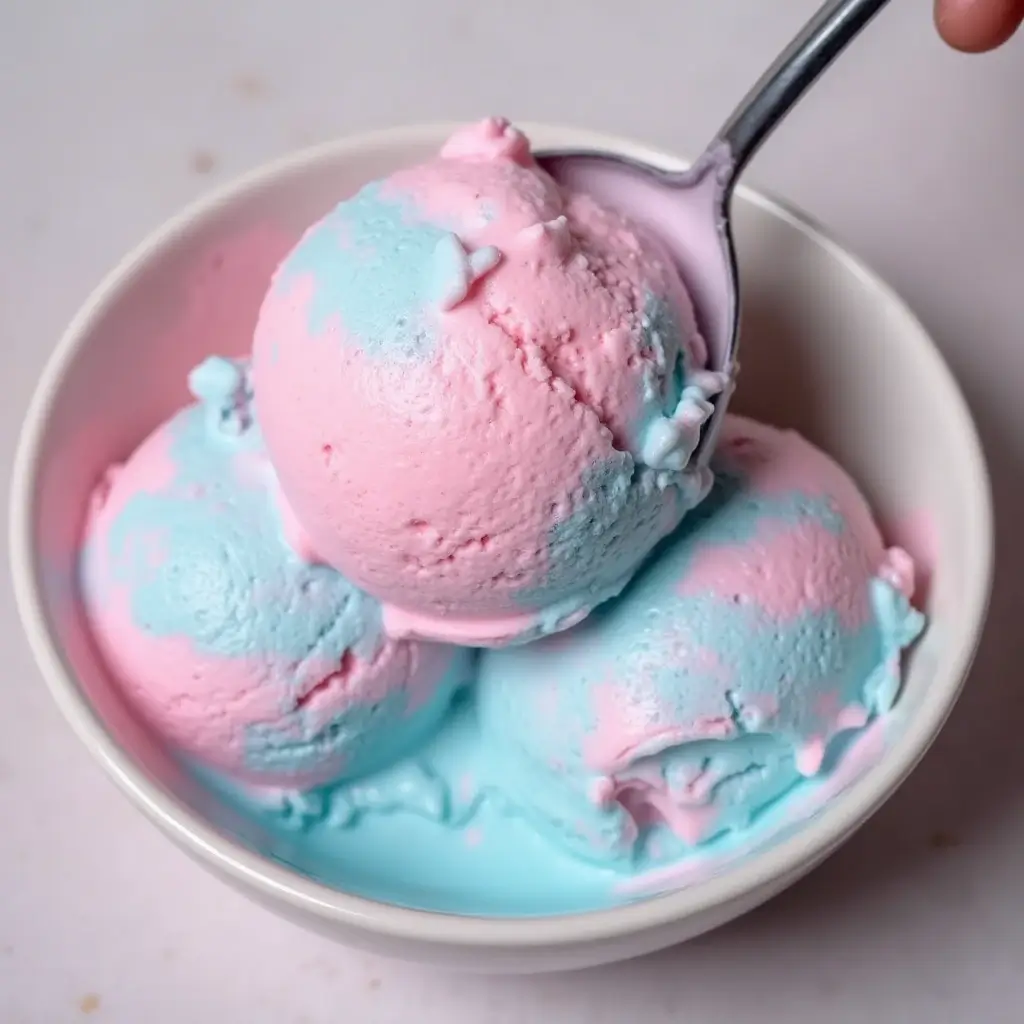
(278, 883)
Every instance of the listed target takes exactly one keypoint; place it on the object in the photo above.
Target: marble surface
(113, 114)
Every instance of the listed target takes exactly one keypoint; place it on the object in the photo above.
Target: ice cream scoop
(481, 392)
(690, 210)
(768, 625)
(236, 650)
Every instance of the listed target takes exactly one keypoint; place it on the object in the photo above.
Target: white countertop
(113, 114)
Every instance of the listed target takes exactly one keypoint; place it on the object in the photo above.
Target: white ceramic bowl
(827, 348)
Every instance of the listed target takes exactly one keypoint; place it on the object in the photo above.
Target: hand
(978, 25)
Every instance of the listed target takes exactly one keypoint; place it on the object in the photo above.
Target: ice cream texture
(434, 590)
(768, 625)
(737, 685)
(481, 394)
(236, 650)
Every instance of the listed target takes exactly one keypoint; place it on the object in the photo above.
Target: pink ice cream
(481, 393)
(771, 623)
(235, 650)
(473, 403)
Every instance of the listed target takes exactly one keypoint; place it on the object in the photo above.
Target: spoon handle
(820, 41)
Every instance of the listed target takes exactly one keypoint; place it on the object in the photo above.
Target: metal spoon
(690, 210)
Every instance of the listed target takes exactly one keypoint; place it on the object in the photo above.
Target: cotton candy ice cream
(481, 394)
(768, 625)
(469, 423)
(236, 650)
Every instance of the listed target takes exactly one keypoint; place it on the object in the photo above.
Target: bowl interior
(825, 349)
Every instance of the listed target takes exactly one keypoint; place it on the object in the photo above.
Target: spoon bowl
(692, 210)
